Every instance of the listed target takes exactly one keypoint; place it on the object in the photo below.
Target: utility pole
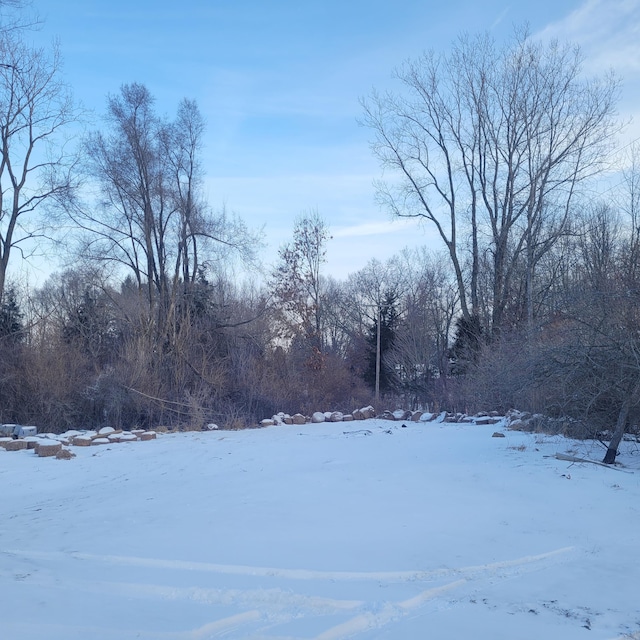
(378, 358)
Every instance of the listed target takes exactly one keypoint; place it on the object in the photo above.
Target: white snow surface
(322, 531)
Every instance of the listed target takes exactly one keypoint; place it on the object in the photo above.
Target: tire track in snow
(390, 612)
(269, 606)
(296, 574)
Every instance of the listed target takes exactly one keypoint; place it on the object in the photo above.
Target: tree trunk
(610, 456)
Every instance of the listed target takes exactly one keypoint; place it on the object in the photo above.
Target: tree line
(531, 302)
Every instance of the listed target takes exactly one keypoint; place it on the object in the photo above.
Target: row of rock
(318, 417)
(51, 444)
(369, 412)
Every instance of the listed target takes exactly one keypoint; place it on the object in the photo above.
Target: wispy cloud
(375, 228)
(608, 31)
(503, 14)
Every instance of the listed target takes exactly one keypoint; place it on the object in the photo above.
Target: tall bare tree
(149, 216)
(297, 281)
(490, 146)
(35, 166)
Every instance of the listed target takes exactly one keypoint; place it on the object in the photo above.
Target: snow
(326, 531)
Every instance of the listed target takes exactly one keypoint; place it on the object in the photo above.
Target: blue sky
(279, 84)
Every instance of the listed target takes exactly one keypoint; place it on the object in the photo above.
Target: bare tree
(492, 145)
(149, 216)
(429, 305)
(35, 166)
(297, 281)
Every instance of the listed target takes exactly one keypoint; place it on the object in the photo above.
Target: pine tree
(11, 326)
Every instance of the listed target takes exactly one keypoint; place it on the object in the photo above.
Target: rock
(368, 412)
(106, 431)
(497, 434)
(32, 442)
(148, 435)
(358, 415)
(266, 423)
(487, 420)
(401, 414)
(427, 417)
(288, 420)
(298, 418)
(518, 425)
(128, 437)
(327, 416)
(99, 441)
(15, 445)
(48, 449)
(82, 441)
(416, 416)
(211, 427)
(347, 417)
(317, 417)
(337, 416)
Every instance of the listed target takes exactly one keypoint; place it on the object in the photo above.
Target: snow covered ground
(331, 531)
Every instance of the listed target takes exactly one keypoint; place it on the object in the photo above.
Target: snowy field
(347, 530)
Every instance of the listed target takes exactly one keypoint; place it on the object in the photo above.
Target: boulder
(298, 418)
(16, 445)
(148, 435)
(347, 417)
(317, 417)
(264, 423)
(336, 416)
(48, 449)
(128, 437)
(368, 412)
(99, 441)
(106, 431)
(358, 415)
(497, 434)
(32, 442)
(82, 441)
(518, 425)
(415, 416)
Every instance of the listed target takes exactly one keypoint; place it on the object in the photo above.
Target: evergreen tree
(11, 326)
(466, 344)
